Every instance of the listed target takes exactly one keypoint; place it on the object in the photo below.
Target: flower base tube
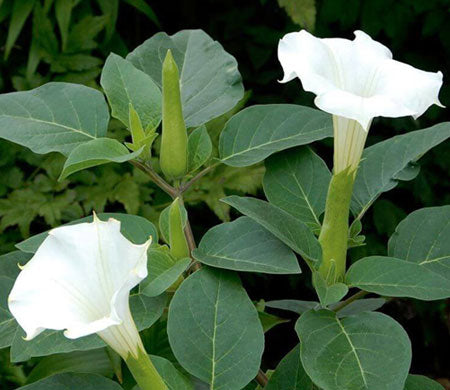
(144, 372)
(334, 234)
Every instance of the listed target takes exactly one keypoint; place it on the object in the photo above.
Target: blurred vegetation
(68, 40)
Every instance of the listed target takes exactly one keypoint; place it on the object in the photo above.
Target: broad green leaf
(244, 245)
(299, 307)
(164, 222)
(19, 14)
(55, 117)
(96, 152)
(88, 362)
(360, 306)
(423, 238)
(71, 381)
(145, 310)
(214, 330)
(163, 271)
(297, 180)
(293, 305)
(394, 277)
(125, 84)
(360, 352)
(137, 229)
(209, 78)
(294, 233)
(259, 131)
(199, 148)
(302, 12)
(384, 164)
(328, 294)
(419, 382)
(170, 375)
(290, 374)
(63, 12)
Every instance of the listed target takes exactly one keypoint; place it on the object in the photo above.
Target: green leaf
(302, 12)
(297, 181)
(259, 131)
(419, 382)
(394, 277)
(164, 221)
(268, 321)
(244, 245)
(293, 305)
(384, 164)
(82, 35)
(328, 294)
(96, 152)
(365, 351)
(88, 362)
(55, 117)
(145, 310)
(294, 233)
(211, 338)
(137, 229)
(209, 79)
(423, 238)
(20, 12)
(360, 306)
(71, 381)
(171, 376)
(163, 271)
(124, 85)
(63, 12)
(299, 307)
(199, 148)
(110, 9)
(290, 374)
(142, 6)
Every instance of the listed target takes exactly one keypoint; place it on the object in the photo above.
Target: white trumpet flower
(356, 81)
(79, 281)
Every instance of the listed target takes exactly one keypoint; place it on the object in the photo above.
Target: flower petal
(357, 79)
(79, 280)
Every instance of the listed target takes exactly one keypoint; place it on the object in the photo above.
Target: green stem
(334, 234)
(144, 372)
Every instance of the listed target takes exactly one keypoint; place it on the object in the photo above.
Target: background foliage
(68, 40)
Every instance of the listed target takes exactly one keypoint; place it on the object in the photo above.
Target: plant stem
(158, 180)
(261, 378)
(197, 177)
(334, 234)
(144, 372)
(354, 297)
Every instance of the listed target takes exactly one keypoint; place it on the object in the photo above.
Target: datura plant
(111, 288)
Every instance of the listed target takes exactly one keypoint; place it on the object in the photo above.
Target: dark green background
(417, 31)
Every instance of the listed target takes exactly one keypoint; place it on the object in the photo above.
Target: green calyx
(173, 154)
(179, 248)
(334, 233)
(144, 372)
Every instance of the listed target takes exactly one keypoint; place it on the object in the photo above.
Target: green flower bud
(178, 245)
(173, 154)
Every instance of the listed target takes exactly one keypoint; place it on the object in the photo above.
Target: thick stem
(334, 234)
(144, 372)
(262, 379)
